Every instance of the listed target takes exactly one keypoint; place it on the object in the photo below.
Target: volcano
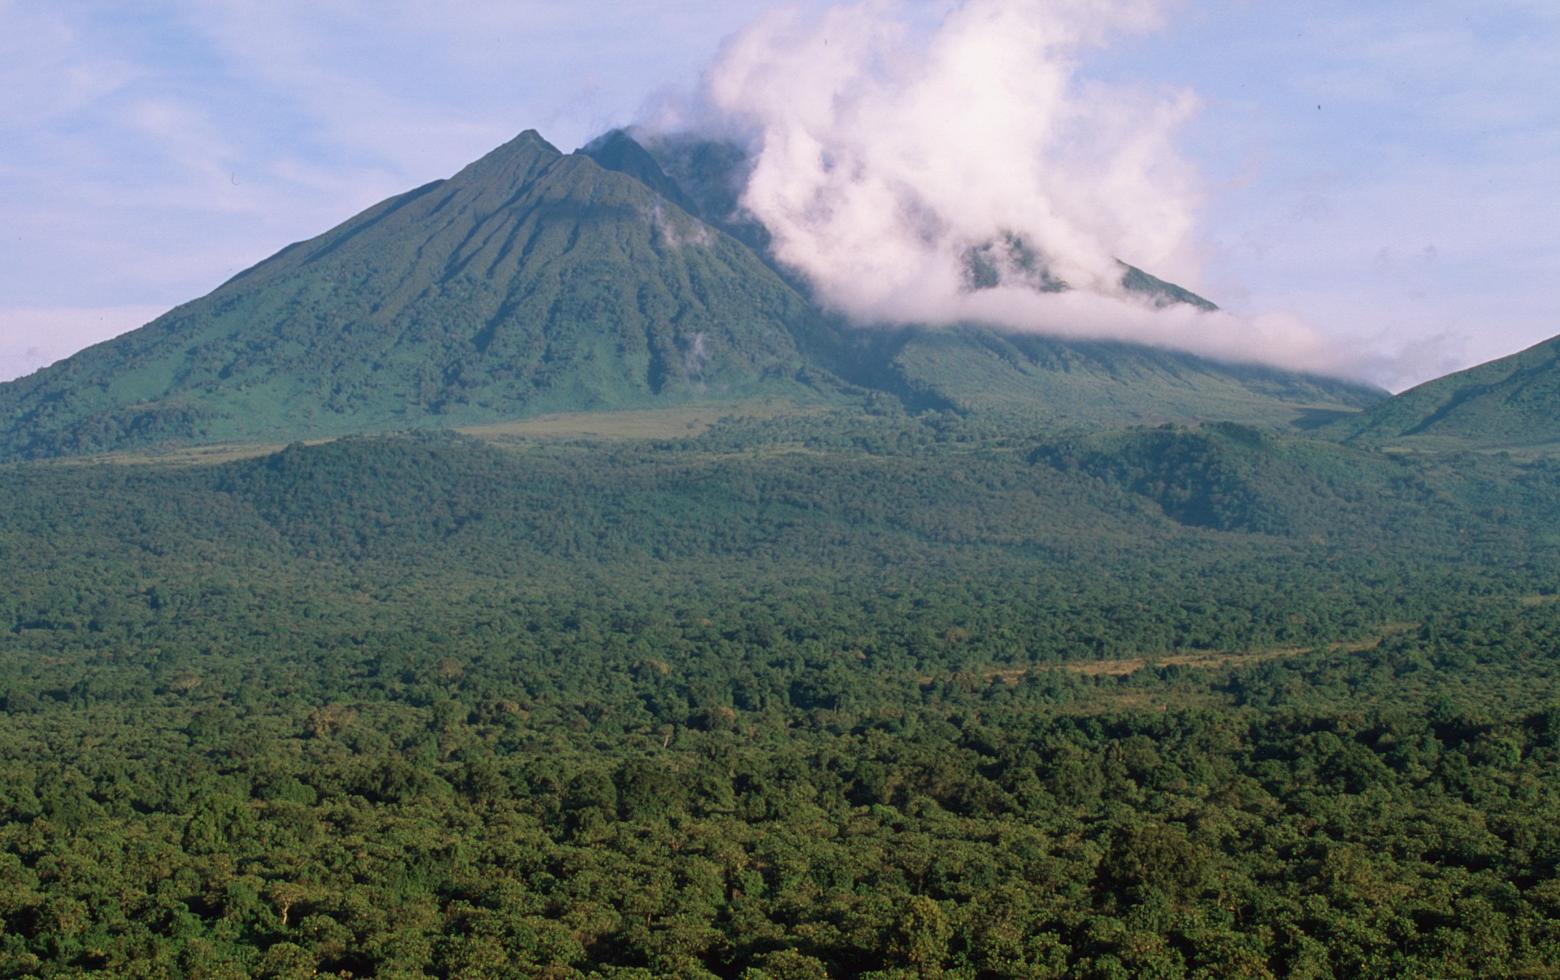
(535, 281)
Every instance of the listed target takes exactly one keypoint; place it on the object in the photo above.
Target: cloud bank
(887, 150)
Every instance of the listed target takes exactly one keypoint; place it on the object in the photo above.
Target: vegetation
(794, 696)
(909, 653)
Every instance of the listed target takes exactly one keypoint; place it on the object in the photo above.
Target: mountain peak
(617, 150)
(535, 282)
(530, 282)
(515, 163)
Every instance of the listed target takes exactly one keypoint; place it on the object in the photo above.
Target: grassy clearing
(1196, 659)
(676, 422)
(209, 455)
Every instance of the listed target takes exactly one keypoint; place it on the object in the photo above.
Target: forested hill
(531, 281)
(1513, 402)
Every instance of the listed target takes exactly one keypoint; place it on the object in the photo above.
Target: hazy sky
(1388, 173)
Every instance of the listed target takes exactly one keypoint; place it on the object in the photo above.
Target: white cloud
(884, 152)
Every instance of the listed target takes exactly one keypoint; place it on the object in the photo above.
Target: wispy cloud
(1344, 143)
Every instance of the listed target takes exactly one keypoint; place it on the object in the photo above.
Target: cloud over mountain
(887, 150)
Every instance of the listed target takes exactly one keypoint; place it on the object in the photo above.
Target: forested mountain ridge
(535, 281)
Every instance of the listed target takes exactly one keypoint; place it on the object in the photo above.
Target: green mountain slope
(1075, 383)
(1031, 377)
(532, 281)
(1513, 402)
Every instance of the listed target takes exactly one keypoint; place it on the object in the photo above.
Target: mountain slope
(976, 368)
(531, 281)
(1511, 402)
(1033, 379)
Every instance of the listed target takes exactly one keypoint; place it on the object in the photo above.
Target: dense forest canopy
(804, 695)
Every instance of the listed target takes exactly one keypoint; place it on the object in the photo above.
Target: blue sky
(1388, 173)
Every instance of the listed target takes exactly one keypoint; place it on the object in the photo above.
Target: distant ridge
(1511, 402)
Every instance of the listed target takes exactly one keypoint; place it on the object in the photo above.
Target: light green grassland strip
(1203, 659)
(676, 422)
(1196, 659)
(651, 423)
(208, 455)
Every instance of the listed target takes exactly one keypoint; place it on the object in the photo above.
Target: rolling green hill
(1511, 403)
